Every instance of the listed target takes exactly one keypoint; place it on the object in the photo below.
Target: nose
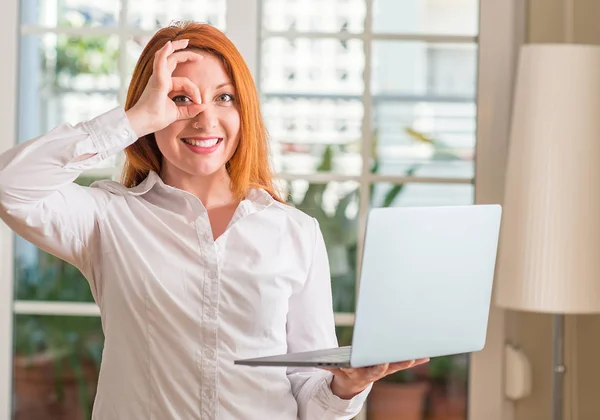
(206, 120)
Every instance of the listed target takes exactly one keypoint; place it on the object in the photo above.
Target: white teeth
(201, 143)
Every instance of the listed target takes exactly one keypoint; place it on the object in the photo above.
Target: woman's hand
(155, 109)
(349, 382)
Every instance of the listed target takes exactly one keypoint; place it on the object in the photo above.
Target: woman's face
(201, 146)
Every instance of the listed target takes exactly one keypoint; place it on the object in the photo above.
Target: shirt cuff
(110, 132)
(340, 406)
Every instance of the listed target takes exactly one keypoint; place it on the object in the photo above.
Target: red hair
(249, 166)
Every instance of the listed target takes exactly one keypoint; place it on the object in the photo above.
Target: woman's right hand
(155, 109)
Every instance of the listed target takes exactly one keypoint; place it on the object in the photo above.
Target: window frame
(9, 21)
(501, 33)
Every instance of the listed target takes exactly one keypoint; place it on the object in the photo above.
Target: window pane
(424, 114)
(309, 135)
(421, 194)
(344, 335)
(82, 63)
(335, 206)
(314, 15)
(74, 107)
(424, 69)
(41, 276)
(71, 13)
(134, 47)
(303, 65)
(439, 387)
(68, 107)
(435, 139)
(456, 17)
(154, 14)
(68, 80)
(56, 364)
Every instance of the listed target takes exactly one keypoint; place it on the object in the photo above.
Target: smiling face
(201, 147)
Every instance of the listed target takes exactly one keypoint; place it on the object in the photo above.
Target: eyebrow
(223, 85)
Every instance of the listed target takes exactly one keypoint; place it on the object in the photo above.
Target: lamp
(548, 259)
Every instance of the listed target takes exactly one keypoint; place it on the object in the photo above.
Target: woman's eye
(225, 97)
(182, 100)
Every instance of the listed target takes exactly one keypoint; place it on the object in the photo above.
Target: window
(368, 105)
(76, 58)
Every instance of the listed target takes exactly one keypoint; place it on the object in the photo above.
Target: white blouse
(178, 307)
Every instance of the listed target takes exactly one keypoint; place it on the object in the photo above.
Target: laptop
(425, 289)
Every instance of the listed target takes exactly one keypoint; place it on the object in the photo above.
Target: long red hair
(249, 166)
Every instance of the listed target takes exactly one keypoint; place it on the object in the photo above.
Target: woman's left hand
(349, 382)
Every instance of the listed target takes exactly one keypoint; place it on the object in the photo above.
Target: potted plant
(340, 230)
(448, 379)
(401, 395)
(57, 358)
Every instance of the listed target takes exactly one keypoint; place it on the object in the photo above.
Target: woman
(193, 259)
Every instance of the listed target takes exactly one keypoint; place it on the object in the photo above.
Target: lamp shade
(549, 256)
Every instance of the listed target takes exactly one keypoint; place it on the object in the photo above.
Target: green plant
(340, 231)
(70, 342)
(406, 376)
(85, 55)
(79, 55)
(441, 368)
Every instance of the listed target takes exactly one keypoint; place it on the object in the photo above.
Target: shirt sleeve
(311, 327)
(39, 199)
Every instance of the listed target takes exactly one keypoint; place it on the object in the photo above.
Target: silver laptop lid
(426, 282)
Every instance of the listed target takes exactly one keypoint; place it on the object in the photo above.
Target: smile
(202, 143)
(202, 146)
